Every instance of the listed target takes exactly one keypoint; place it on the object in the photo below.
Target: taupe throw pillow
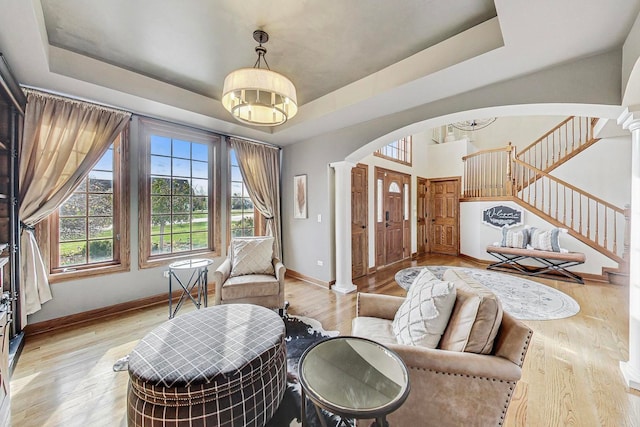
(476, 316)
(252, 255)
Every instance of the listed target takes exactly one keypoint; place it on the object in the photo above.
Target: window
(398, 151)
(88, 233)
(178, 193)
(242, 214)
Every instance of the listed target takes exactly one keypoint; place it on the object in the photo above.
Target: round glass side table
(353, 377)
(197, 280)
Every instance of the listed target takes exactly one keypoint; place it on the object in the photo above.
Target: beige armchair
(250, 274)
(448, 388)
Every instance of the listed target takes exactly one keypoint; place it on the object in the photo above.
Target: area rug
(522, 298)
(301, 332)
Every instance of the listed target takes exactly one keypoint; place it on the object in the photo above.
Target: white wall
(604, 170)
(520, 131)
(475, 236)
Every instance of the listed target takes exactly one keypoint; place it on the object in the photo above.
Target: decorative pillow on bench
(514, 238)
(547, 240)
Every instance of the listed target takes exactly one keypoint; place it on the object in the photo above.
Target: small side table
(197, 280)
(353, 377)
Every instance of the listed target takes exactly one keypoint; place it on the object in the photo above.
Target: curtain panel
(260, 169)
(63, 139)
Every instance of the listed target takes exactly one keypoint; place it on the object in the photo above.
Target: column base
(631, 375)
(344, 288)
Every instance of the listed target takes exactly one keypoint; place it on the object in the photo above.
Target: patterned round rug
(523, 299)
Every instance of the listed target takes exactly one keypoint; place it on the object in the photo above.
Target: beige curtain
(260, 169)
(63, 139)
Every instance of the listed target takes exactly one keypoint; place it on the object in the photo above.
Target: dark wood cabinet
(12, 109)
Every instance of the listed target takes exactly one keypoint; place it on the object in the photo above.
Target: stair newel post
(510, 156)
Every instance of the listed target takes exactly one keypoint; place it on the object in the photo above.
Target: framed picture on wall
(300, 196)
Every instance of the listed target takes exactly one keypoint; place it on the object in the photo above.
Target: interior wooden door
(359, 221)
(391, 221)
(444, 213)
(422, 235)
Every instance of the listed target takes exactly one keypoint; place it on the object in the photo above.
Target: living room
(578, 64)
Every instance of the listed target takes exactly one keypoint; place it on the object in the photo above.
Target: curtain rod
(276, 147)
(62, 96)
(77, 98)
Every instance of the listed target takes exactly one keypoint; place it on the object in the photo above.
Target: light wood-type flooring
(570, 378)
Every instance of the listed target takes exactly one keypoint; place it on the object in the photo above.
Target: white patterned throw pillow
(424, 314)
(252, 255)
(514, 238)
(547, 240)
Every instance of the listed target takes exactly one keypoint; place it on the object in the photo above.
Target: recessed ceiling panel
(320, 45)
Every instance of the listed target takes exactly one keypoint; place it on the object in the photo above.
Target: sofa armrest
(457, 363)
(452, 389)
(376, 305)
(279, 269)
(220, 276)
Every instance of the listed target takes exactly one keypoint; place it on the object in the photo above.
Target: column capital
(630, 118)
(342, 165)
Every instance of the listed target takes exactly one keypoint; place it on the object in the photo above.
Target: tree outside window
(242, 213)
(87, 233)
(178, 195)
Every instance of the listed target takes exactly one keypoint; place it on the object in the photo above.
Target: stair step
(616, 276)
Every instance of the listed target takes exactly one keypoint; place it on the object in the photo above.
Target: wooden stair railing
(595, 222)
(569, 138)
(497, 174)
(487, 173)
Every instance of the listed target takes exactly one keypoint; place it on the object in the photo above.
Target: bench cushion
(476, 316)
(560, 256)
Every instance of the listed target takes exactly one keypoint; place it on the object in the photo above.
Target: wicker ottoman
(218, 366)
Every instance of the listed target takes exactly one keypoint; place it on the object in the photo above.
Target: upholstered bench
(553, 265)
(219, 366)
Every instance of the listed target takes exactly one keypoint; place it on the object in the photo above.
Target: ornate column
(342, 186)
(631, 370)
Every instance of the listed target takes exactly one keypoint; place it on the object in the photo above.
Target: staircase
(500, 174)
(565, 141)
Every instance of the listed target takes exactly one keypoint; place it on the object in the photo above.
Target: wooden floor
(571, 375)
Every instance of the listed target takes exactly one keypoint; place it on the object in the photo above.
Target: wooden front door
(359, 220)
(444, 213)
(421, 217)
(392, 225)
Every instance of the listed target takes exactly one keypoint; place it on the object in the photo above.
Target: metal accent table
(197, 280)
(353, 377)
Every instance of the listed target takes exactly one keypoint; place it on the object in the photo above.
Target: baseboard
(372, 270)
(295, 275)
(474, 259)
(119, 309)
(99, 313)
